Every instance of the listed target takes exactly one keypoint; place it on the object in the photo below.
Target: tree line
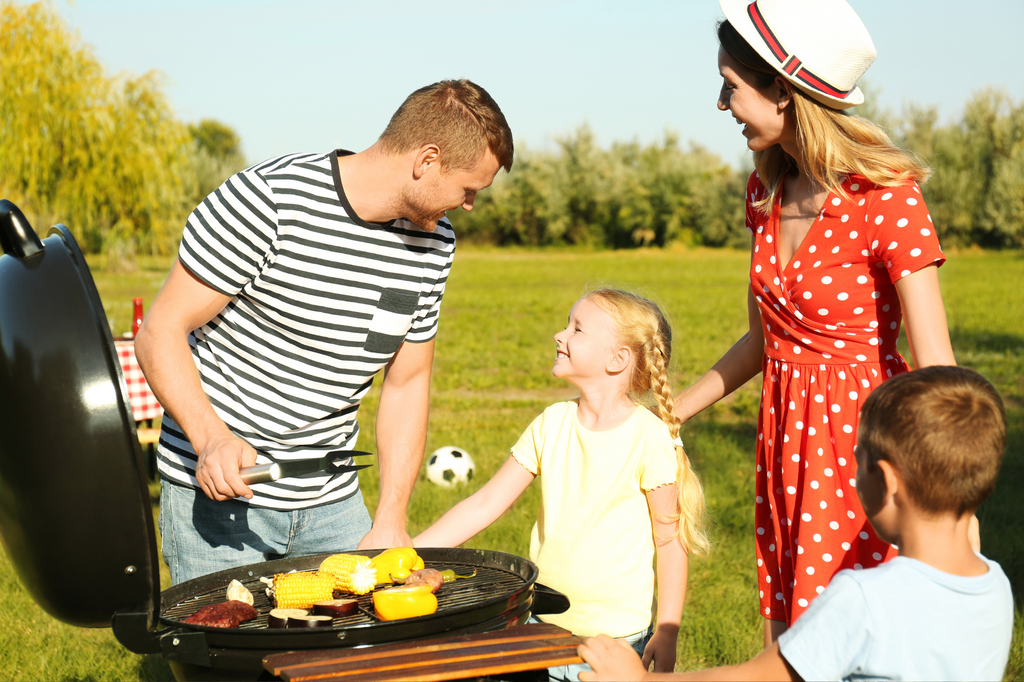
(976, 191)
(629, 195)
(107, 156)
(104, 155)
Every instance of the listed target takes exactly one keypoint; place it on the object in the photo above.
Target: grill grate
(486, 584)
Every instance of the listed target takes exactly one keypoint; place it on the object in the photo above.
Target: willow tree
(104, 155)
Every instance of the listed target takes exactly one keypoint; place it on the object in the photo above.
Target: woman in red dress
(843, 249)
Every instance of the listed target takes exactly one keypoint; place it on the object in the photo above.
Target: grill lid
(74, 504)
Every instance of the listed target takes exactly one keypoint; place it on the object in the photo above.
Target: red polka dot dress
(831, 319)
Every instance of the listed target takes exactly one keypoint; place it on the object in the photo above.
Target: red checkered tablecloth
(144, 403)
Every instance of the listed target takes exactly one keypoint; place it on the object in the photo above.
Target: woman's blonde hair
(833, 143)
(643, 327)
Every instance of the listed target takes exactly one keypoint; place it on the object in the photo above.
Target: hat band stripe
(820, 85)
(790, 64)
(766, 33)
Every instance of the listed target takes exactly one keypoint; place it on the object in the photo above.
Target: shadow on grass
(721, 448)
(153, 668)
(1002, 524)
(996, 355)
(1000, 358)
(986, 342)
(1002, 529)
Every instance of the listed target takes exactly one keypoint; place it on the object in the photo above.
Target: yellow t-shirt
(593, 539)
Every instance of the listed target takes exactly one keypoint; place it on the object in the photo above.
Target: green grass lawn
(492, 377)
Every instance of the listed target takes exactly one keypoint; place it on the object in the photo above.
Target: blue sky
(311, 76)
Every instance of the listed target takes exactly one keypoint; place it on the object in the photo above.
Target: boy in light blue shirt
(929, 449)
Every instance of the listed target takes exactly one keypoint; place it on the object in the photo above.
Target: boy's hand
(611, 660)
(661, 649)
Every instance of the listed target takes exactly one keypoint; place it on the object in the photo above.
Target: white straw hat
(820, 46)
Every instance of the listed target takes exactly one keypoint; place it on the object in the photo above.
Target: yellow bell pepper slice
(405, 601)
(395, 564)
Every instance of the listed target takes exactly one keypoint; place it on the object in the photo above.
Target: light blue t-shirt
(904, 620)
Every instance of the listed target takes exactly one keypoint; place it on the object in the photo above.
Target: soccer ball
(450, 465)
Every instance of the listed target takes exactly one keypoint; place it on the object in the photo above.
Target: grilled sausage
(430, 576)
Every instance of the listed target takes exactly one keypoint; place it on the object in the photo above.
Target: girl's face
(586, 347)
(761, 111)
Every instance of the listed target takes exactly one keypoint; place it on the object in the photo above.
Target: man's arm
(183, 304)
(401, 439)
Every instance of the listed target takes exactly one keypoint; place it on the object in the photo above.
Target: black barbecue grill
(73, 483)
(499, 591)
(500, 595)
(502, 589)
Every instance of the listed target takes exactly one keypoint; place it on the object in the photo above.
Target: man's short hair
(456, 115)
(943, 429)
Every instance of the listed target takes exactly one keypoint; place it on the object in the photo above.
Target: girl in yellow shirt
(617, 487)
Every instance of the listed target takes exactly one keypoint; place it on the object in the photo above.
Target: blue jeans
(571, 673)
(201, 536)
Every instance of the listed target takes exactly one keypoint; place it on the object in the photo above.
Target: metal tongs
(331, 463)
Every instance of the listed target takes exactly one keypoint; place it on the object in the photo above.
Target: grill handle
(548, 601)
(135, 631)
(262, 473)
(17, 237)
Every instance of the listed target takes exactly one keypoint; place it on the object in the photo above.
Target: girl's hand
(661, 649)
(611, 659)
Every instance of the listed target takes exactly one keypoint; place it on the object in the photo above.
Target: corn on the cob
(301, 590)
(351, 572)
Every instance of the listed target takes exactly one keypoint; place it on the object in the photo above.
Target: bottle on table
(136, 316)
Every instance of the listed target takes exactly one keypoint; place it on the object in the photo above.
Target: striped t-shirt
(321, 301)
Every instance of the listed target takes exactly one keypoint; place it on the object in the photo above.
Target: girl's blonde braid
(691, 515)
(657, 361)
(643, 327)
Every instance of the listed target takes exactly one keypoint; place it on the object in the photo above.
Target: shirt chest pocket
(391, 321)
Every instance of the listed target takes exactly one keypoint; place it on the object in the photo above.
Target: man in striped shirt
(296, 282)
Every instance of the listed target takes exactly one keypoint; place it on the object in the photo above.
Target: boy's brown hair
(456, 115)
(943, 429)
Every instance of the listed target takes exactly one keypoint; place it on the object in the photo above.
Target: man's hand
(161, 346)
(218, 465)
(381, 537)
(611, 659)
